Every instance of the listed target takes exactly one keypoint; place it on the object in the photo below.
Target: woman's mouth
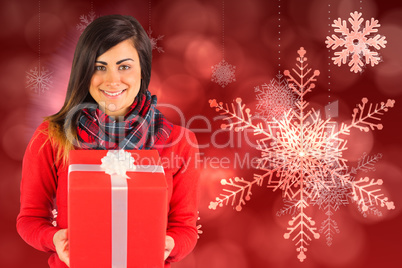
(113, 94)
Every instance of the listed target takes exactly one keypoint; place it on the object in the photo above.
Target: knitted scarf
(143, 127)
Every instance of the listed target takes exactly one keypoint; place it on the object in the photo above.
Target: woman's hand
(169, 245)
(60, 241)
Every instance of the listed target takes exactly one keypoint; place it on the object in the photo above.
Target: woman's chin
(114, 110)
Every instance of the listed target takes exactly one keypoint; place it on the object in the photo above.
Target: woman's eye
(124, 67)
(100, 68)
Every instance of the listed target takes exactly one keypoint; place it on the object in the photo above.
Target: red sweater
(44, 180)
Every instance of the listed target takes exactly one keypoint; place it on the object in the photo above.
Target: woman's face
(117, 79)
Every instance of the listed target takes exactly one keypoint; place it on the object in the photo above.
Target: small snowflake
(223, 73)
(356, 43)
(274, 99)
(39, 79)
(86, 20)
(154, 41)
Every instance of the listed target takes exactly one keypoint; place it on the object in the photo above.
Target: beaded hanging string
(223, 73)
(39, 79)
(154, 40)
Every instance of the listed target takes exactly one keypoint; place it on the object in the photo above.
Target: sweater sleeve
(38, 190)
(183, 211)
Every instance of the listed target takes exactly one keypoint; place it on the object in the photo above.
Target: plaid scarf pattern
(143, 127)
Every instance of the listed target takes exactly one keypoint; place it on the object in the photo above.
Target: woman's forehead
(124, 49)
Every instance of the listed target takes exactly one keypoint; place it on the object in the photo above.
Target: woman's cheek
(96, 81)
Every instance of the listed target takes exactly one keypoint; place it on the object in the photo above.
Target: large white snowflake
(357, 43)
(223, 73)
(302, 155)
(85, 20)
(274, 99)
(155, 40)
(39, 79)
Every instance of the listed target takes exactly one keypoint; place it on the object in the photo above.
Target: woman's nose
(113, 84)
(112, 79)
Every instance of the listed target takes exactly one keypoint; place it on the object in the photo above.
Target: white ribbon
(119, 221)
(119, 207)
(94, 167)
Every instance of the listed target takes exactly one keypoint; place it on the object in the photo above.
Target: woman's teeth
(113, 94)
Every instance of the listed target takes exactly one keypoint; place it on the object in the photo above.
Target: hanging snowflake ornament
(154, 41)
(358, 44)
(302, 155)
(223, 73)
(85, 20)
(274, 99)
(39, 80)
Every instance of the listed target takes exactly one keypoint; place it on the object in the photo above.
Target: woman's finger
(61, 243)
(169, 245)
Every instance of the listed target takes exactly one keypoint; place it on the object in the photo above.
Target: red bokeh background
(181, 76)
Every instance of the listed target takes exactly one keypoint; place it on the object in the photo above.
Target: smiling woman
(117, 78)
(107, 107)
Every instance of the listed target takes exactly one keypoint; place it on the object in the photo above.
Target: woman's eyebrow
(101, 62)
(120, 61)
(117, 62)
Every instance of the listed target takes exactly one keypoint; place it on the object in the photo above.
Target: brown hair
(102, 34)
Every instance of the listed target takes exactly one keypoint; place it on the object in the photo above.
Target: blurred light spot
(269, 33)
(10, 189)
(347, 245)
(187, 15)
(13, 141)
(221, 253)
(12, 75)
(200, 55)
(359, 142)
(319, 12)
(10, 250)
(52, 30)
(388, 73)
(176, 88)
(167, 66)
(12, 16)
(369, 9)
(265, 239)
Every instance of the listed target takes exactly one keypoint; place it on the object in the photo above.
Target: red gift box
(114, 221)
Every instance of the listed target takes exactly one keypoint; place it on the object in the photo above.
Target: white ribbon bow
(117, 162)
